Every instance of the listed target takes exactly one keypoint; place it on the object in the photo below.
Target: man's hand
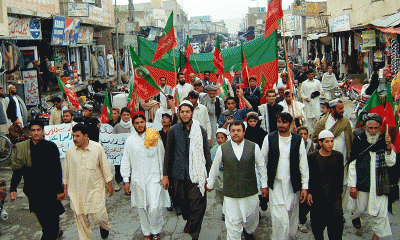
(309, 200)
(294, 128)
(13, 196)
(388, 141)
(353, 192)
(240, 93)
(209, 143)
(208, 189)
(230, 121)
(307, 99)
(127, 188)
(165, 182)
(110, 189)
(60, 196)
(303, 195)
(264, 192)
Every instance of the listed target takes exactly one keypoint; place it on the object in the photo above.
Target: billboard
(308, 9)
(24, 28)
(339, 24)
(65, 31)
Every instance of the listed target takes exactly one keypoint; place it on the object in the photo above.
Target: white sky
(231, 11)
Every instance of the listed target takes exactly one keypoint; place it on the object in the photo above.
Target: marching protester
(325, 108)
(326, 188)
(254, 132)
(187, 162)
(206, 80)
(268, 112)
(200, 113)
(3, 112)
(222, 137)
(149, 107)
(215, 106)
(310, 92)
(232, 113)
(329, 84)
(91, 122)
(182, 88)
(368, 180)
(239, 156)
(198, 86)
(15, 106)
(56, 113)
(37, 170)
(288, 176)
(124, 126)
(293, 107)
(303, 132)
(68, 116)
(252, 94)
(115, 117)
(281, 94)
(167, 90)
(169, 109)
(142, 162)
(86, 173)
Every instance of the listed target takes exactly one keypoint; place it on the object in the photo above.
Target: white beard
(372, 139)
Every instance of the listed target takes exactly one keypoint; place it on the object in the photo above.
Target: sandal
(156, 237)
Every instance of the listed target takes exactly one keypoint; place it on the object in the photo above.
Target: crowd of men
(286, 156)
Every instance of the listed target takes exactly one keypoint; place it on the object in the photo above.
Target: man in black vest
(287, 169)
(186, 151)
(239, 157)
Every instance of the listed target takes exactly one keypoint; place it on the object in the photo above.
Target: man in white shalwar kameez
(239, 156)
(85, 173)
(142, 161)
(287, 169)
(293, 107)
(310, 92)
(110, 63)
(368, 176)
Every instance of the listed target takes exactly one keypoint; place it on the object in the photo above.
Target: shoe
(156, 237)
(223, 217)
(170, 209)
(247, 236)
(356, 223)
(303, 228)
(104, 233)
(178, 211)
(117, 187)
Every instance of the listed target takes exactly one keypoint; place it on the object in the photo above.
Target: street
(125, 221)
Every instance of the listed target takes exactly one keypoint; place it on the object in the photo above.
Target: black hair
(252, 78)
(326, 104)
(305, 64)
(309, 71)
(237, 123)
(229, 98)
(302, 128)
(138, 116)
(252, 116)
(207, 72)
(163, 77)
(56, 99)
(169, 96)
(193, 94)
(197, 83)
(177, 75)
(167, 115)
(285, 117)
(125, 109)
(271, 91)
(186, 105)
(81, 127)
(36, 122)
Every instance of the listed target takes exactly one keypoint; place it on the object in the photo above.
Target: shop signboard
(24, 28)
(369, 38)
(78, 9)
(31, 86)
(308, 9)
(339, 24)
(89, 1)
(65, 31)
(85, 34)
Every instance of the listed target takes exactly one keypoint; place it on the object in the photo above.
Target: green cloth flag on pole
(106, 111)
(167, 41)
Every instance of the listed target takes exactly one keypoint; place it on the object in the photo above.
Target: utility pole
(117, 44)
(304, 46)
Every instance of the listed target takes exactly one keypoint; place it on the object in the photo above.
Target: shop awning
(389, 30)
(387, 21)
(315, 36)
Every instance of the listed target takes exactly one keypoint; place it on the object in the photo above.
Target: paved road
(125, 221)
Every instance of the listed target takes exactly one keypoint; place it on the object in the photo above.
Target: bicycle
(6, 148)
(10, 57)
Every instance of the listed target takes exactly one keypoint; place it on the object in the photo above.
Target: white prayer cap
(325, 134)
(222, 130)
(186, 102)
(10, 86)
(334, 102)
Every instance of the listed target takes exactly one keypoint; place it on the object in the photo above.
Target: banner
(78, 9)
(113, 144)
(339, 24)
(369, 38)
(24, 28)
(65, 31)
(308, 9)
(85, 34)
(61, 135)
(31, 87)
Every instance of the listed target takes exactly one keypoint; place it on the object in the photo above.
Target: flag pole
(196, 63)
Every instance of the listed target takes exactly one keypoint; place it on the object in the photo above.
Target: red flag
(389, 119)
(131, 99)
(144, 89)
(241, 102)
(188, 49)
(72, 97)
(187, 69)
(217, 60)
(396, 144)
(106, 111)
(274, 14)
(167, 41)
(245, 71)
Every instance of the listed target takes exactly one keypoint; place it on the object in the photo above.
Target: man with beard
(142, 162)
(281, 94)
(369, 183)
(86, 172)
(206, 80)
(38, 170)
(326, 188)
(193, 78)
(310, 92)
(167, 90)
(232, 113)
(340, 126)
(3, 112)
(16, 106)
(254, 132)
(215, 106)
(239, 156)
(198, 86)
(287, 170)
(68, 116)
(236, 79)
(293, 107)
(268, 112)
(182, 87)
(200, 113)
(187, 162)
(252, 94)
(169, 109)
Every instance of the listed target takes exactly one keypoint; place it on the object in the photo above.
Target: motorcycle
(40, 113)
(349, 89)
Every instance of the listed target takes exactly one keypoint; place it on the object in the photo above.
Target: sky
(231, 11)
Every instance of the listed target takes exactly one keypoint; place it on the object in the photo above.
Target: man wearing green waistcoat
(239, 156)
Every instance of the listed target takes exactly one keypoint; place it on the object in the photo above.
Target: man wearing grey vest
(239, 156)
(287, 168)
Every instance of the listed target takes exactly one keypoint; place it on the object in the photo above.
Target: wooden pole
(196, 63)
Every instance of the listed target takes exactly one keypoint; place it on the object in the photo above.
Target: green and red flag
(176, 98)
(263, 90)
(223, 87)
(167, 40)
(188, 49)
(274, 14)
(187, 69)
(217, 60)
(106, 111)
(145, 86)
(373, 105)
(131, 98)
(71, 95)
(245, 68)
(391, 118)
